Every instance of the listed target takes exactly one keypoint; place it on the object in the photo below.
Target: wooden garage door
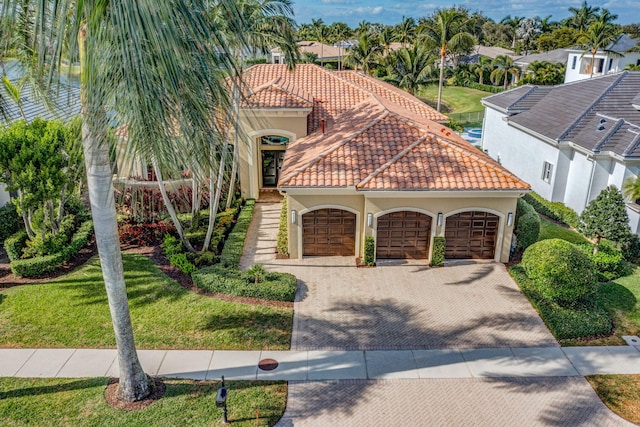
(403, 235)
(328, 232)
(471, 235)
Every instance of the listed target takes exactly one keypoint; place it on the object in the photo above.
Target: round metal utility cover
(268, 364)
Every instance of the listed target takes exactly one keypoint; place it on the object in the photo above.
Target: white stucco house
(569, 141)
(611, 60)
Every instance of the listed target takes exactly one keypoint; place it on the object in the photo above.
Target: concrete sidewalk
(330, 365)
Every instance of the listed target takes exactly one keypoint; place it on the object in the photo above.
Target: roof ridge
(393, 160)
(593, 105)
(534, 88)
(635, 142)
(336, 146)
(607, 137)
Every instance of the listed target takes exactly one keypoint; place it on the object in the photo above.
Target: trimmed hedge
(231, 281)
(282, 245)
(437, 257)
(580, 320)
(485, 88)
(14, 244)
(561, 271)
(554, 210)
(39, 265)
(527, 225)
(369, 251)
(232, 251)
(10, 221)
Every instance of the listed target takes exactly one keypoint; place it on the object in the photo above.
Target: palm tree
(504, 67)
(512, 23)
(527, 30)
(124, 65)
(446, 30)
(583, 16)
(598, 36)
(405, 31)
(631, 188)
(366, 54)
(483, 66)
(411, 67)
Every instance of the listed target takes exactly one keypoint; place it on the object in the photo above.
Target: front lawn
(73, 312)
(552, 230)
(621, 393)
(460, 99)
(71, 402)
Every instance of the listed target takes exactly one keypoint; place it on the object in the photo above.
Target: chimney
(322, 122)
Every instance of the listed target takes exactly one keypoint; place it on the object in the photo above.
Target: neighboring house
(488, 51)
(324, 52)
(553, 56)
(64, 105)
(613, 59)
(569, 141)
(357, 157)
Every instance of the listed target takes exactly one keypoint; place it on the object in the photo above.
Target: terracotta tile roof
(332, 93)
(272, 95)
(378, 145)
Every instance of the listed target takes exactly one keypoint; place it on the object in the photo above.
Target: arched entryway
(403, 235)
(329, 232)
(471, 235)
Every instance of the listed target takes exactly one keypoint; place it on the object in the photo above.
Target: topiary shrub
(437, 255)
(631, 247)
(369, 251)
(14, 245)
(561, 271)
(527, 225)
(10, 221)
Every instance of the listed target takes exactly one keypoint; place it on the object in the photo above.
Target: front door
(272, 161)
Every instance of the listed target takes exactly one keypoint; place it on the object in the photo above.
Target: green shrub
(631, 247)
(232, 251)
(582, 319)
(283, 231)
(10, 221)
(230, 281)
(554, 210)
(79, 240)
(181, 261)
(369, 251)
(562, 272)
(256, 274)
(14, 245)
(609, 261)
(75, 207)
(172, 245)
(204, 259)
(527, 225)
(437, 257)
(485, 88)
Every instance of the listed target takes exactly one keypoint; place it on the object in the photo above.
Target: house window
(610, 64)
(638, 62)
(573, 62)
(547, 170)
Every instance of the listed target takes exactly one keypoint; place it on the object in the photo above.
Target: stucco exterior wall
(362, 204)
(4, 195)
(522, 154)
(611, 64)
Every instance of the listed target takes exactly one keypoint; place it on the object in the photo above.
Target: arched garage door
(403, 235)
(471, 235)
(328, 232)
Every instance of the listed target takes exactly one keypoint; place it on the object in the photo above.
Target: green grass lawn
(621, 393)
(460, 99)
(73, 312)
(551, 230)
(72, 402)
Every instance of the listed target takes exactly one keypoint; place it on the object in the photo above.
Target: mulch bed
(111, 396)
(154, 253)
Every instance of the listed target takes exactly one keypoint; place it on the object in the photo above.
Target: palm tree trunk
(170, 210)
(441, 82)
(236, 149)
(593, 61)
(134, 383)
(213, 203)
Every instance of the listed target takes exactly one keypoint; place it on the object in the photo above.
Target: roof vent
(602, 121)
(600, 127)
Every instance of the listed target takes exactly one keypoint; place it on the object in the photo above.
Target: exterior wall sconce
(369, 219)
(293, 217)
(510, 219)
(439, 219)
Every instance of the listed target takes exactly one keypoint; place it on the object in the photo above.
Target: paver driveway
(468, 305)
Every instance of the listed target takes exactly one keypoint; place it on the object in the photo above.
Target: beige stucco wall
(378, 204)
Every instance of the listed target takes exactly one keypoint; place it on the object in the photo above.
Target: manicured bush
(631, 247)
(230, 281)
(283, 231)
(232, 251)
(527, 225)
(39, 265)
(437, 256)
(585, 318)
(182, 262)
(10, 221)
(14, 245)
(605, 217)
(485, 88)
(562, 272)
(369, 251)
(609, 261)
(554, 210)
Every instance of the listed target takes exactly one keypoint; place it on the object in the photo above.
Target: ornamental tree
(605, 217)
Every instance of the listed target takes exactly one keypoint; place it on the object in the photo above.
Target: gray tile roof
(596, 114)
(64, 104)
(557, 55)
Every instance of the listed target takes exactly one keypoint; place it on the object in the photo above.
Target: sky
(390, 12)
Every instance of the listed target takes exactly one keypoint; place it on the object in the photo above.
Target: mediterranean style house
(569, 141)
(613, 59)
(356, 157)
